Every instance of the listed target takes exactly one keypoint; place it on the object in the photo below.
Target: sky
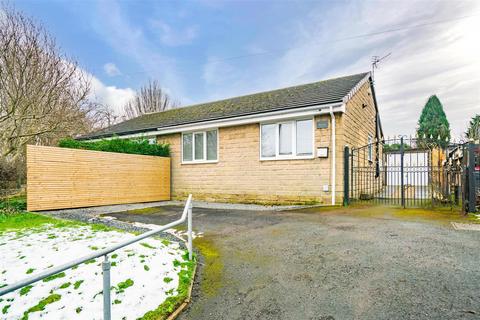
(207, 50)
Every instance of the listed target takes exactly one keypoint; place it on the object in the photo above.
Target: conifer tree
(433, 127)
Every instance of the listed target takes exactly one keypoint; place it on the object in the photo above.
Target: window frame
(204, 135)
(294, 155)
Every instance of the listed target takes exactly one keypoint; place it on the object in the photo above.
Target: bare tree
(43, 93)
(150, 98)
(102, 116)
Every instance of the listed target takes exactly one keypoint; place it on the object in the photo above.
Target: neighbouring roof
(317, 93)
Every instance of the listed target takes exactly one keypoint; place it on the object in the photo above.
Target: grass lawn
(149, 279)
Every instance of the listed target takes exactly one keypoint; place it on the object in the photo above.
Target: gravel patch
(96, 215)
(246, 207)
(95, 211)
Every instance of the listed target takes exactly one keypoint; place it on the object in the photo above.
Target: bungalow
(281, 146)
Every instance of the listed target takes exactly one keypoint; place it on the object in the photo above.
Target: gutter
(228, 122)
(333, 169)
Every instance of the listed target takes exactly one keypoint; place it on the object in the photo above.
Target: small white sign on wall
(322, 152)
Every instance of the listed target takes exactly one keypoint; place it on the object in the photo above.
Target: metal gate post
(471, 179)
(346, 158)
(402, 190)
(106, 289)
(351, 185)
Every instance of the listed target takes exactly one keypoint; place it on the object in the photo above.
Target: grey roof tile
(317, 93)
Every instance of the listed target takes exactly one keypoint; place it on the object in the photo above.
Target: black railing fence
(407, 172)
(472, 178)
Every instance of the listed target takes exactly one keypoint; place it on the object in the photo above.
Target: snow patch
(182, 234)
(146, 263)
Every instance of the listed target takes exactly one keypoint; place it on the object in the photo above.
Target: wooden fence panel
(60, 178)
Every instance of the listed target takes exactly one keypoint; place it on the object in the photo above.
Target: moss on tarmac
(212, 273)
(360, 262)
(151, 210)
(443, 215)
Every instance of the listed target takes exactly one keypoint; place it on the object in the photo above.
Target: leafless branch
(43, 93)
(150, 98)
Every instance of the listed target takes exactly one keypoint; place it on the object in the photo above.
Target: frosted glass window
(200, 147)
(287, 140)
(304, 137)
(212, 145)
(268, 140)
(199, 137)
(286, 143)
(187, 147)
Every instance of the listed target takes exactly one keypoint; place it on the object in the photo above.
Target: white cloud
(172, 37)
(111, 69)
(130, 40)
(111, 96)
(437, 59)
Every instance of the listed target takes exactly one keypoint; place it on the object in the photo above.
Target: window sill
(200, 162)
(288, 158)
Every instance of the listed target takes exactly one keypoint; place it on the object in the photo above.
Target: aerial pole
(376, 60)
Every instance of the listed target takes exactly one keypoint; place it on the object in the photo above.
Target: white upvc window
(293, 139)
(370, 148)
(200, 146)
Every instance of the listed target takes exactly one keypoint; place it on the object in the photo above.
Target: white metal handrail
(186, 216)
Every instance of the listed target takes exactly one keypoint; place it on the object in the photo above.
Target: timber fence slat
(60, 178)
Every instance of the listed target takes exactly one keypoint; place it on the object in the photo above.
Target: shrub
(12, 175)
(395, 147)
(12, 205)
(7, 171)
(120, 146)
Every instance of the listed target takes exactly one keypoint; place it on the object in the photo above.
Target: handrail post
(106, 289)
(189, 223)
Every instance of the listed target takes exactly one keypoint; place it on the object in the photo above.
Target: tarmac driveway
(360, 263)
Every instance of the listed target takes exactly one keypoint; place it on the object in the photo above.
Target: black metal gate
(409, 173)
(472, 178)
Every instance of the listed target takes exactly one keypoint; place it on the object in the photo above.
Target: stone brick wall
(240, 176)
(359, 118)
(357, 123)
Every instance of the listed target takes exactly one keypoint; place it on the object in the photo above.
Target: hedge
(120, 146)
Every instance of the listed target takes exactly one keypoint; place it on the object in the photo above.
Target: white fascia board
(235, 121)
(356, 88)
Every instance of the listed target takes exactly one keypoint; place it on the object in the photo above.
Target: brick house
(276, 147)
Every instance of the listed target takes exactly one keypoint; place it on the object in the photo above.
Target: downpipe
(334, 157)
